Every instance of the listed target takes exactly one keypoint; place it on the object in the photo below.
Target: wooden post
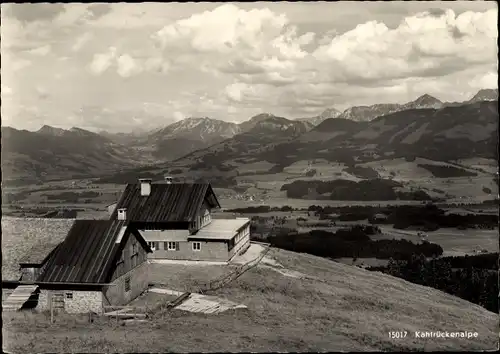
(51, 310)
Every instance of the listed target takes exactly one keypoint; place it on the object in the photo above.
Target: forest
(473, 278)
(350, 242)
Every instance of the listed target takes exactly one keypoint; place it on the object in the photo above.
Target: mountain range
(54, 152)
(446, 134)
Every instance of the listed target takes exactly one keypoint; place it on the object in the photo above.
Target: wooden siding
(117, 294)
(239, 241)
(124, 263)
(89, 252)
(210, 251)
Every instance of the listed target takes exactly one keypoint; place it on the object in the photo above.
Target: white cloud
(81, 41)
(488, 80)
(237, 59)
(6, 90)
(127, 66)
(157, 64)
(101, 62)
(420, 44)
(42, 51)
(178, 116)
(228, 30)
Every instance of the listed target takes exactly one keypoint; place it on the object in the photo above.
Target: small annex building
(176, 221)
(99, 263)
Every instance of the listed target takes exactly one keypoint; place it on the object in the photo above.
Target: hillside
(57, 153)
(326, 114)
(187, 135)
(210, 148)
(446, 134)
(295, 303)
(485, 95)
(368, 113)
(403, 146)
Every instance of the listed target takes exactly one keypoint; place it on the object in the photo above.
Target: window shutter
(165, 246)
(177, 246)
(157, 245)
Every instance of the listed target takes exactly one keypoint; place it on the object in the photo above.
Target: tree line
(365, 190)
(472, 278)
(349, 242)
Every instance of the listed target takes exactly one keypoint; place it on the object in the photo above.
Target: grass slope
(20, 235)
(334, 308)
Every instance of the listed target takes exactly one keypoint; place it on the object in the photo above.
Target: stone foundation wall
(81, 301)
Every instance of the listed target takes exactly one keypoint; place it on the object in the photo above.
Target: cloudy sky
(124, 67)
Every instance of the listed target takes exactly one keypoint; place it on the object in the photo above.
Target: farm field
(331, 307)
(453, 241)
(305, 203)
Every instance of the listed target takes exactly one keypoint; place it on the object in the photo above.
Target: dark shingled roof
(177, 202)
(88, 253)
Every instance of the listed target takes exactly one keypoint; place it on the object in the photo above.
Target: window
(172, 246)
(152, 245)
(127, 284)
(196, 246)
(69, 295)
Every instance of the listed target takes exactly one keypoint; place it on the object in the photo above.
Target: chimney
(145, 186)
(168, 179)
(122, 214)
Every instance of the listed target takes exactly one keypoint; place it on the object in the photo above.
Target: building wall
(243, 241)
(203, 217)
(165, 235)
(82, 301)
(210, 251)
(131, 257)
(115, 294)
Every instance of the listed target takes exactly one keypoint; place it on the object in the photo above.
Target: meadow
(20, 235)
(453, 241)
(333, 307)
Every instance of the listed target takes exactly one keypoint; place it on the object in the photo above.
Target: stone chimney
(145, 186)
(168, 179)
(122, 214)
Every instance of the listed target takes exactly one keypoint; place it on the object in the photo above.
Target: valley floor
(326, 306)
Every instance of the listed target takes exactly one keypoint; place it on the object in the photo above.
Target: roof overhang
(12, 284)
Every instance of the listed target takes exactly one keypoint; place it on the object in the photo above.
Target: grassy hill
(51, 154)
(324, 306)
(439, 146)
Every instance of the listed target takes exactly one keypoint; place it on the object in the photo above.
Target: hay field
(279, 201)
(255, 167)
(487, 165)
(333, 307)
(402, 169)
(453, 241)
